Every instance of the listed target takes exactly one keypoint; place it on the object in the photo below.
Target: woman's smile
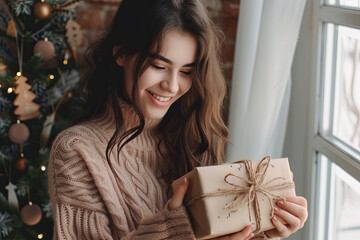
(159, 100)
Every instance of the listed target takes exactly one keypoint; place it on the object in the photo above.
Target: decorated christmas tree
(38, 74)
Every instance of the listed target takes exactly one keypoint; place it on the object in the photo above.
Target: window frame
(305, 107)
(318, 143)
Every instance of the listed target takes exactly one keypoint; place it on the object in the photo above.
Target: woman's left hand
(293, 211)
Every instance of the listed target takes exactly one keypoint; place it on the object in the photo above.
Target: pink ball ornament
(19, 133)
(45, 48)
(31, 214)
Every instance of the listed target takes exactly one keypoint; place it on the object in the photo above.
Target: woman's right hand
(244, 234)
(179, 194)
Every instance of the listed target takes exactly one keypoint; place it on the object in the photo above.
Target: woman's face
(166, 79)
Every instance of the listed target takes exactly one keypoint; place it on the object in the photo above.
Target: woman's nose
(170, 83)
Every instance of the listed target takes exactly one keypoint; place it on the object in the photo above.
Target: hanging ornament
(26, 108)
(74, 36)
(42, 10)
(20, 164)
(45, 48)
(19, 133)
(31, 214)
(11, 29)
(12, 199)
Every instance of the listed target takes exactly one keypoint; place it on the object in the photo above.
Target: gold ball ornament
(42, 10)
(20, 164)
(31, 214)
(45, 48)
(19, 133)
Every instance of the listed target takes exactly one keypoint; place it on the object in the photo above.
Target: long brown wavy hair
(192, 130)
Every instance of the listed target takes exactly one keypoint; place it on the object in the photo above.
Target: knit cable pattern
(90, 202)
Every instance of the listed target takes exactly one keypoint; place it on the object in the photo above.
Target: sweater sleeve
(79, 211)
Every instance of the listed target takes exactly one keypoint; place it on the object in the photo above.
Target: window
(335, 144)
(323, 135)
(345, 3)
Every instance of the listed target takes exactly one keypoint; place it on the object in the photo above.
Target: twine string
(255, 184)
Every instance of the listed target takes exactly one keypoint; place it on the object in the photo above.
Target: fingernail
(280, 203)
(276, 210)
(275, 219)
(184, 180)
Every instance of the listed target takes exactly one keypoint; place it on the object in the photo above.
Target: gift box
(224, 199)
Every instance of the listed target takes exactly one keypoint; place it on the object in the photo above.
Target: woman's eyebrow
(164, 59)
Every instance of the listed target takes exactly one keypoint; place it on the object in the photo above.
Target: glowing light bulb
(40, 236)
(10, 90)
(0, 85)
(51, 76)
(65, 62)
(43, 168)
(18, 74)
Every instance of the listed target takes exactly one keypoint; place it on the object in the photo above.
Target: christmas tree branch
(6, 224)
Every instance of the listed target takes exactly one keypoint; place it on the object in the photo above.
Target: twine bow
(249, 194)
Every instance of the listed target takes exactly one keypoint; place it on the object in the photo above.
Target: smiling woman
(153, 93)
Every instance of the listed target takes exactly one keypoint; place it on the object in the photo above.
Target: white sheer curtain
(260, 92)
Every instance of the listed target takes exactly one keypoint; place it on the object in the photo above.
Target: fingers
(280, 230)
(179, 193)
(244, 234)
(298, 200)
(290, 216)
(296, 206)
(293, 222)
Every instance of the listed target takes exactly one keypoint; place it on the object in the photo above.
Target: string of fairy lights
(26, 109)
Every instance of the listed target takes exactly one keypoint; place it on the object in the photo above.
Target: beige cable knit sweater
(90, 202)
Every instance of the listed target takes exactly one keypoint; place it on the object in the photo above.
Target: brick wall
(95, 15)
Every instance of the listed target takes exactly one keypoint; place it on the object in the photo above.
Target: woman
(154, 97)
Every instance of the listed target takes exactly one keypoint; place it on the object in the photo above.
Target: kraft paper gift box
(220, 198)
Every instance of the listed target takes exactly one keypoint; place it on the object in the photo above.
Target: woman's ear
(120, 59)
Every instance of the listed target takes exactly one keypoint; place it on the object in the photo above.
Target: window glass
(339, 198)
(340, 118)
(344, 3)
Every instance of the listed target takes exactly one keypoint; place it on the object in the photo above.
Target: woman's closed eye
(156, 67)
(159, 68)
(186, 72)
